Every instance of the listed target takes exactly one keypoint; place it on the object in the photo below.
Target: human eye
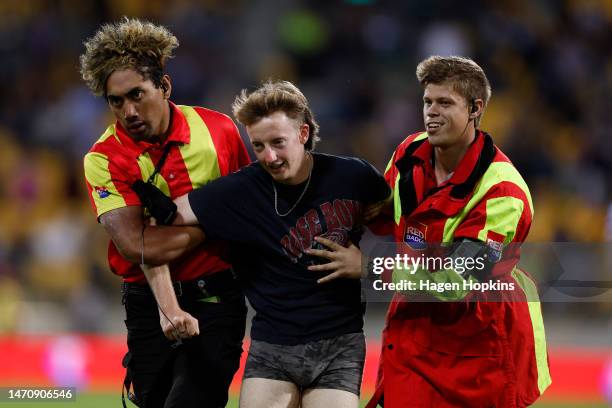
(136, 94)
(114, 101)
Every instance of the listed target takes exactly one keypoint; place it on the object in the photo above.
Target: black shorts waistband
(215, 284)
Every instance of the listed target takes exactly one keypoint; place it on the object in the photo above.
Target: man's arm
(175, 322)
(162, 244)
(184, 213)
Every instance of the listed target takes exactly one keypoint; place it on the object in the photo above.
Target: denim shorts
(335, 363)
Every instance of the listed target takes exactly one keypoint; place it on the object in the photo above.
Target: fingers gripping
(180, 326)
(344, 262)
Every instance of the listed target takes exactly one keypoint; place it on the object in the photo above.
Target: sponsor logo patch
(495, 249)
(414, 236)
(102, 192)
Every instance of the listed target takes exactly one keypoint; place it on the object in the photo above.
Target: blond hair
(275, 96)
(465, 76)
(128, 44)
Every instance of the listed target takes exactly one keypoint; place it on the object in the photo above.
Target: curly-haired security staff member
(175, 148)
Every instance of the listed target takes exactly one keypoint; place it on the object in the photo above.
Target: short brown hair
(466, 77)
(130, 43)
(275, 96)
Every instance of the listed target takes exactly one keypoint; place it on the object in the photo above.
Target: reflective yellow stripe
(496, 173)
(397, 203)
(147, 168)
(503, 216)
(390, 163)
(98, 175)
(537, 323)
(200, 154)
(504, 171)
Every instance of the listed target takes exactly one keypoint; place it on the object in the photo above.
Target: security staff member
(453, 186)
(456, 195)
(157, 145)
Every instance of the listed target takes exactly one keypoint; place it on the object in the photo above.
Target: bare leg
(327, 397)
(265, 393)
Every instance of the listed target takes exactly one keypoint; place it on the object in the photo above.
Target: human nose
(269, 155)
(129, 111)
(430, 110)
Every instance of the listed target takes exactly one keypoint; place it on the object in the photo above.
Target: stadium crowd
(551, 71)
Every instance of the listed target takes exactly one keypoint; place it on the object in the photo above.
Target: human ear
(304, 133)
(476, 108)
(166, 86)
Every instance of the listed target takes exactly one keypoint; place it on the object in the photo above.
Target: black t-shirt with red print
(267, 249)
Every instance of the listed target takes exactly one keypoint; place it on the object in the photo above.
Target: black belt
(212, 285)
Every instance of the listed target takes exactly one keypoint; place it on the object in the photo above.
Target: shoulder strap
(404, 166)
(161, 162)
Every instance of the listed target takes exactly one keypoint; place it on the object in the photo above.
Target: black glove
(161, 207)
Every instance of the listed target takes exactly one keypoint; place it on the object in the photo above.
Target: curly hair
(128, 44)
(466, 77)
(275, 96)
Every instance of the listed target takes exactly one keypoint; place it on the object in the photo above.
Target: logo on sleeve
(415, 234)
(494, 250)
(102, 192)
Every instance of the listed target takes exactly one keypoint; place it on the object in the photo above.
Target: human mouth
(276, 167)
(136, 127)
(433, 126)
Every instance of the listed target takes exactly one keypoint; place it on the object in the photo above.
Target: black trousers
(196, 373)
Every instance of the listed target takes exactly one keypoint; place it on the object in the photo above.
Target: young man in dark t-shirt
(307, 345)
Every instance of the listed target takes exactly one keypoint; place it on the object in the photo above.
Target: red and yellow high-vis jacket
(205, 145)
(463, 352)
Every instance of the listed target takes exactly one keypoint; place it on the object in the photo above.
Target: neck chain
(299, 198)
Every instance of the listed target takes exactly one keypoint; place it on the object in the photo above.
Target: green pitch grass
(91, 400)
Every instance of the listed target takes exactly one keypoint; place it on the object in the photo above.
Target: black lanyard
(161, 162)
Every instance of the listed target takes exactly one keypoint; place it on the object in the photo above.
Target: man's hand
(344, 262)
(178, 324)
